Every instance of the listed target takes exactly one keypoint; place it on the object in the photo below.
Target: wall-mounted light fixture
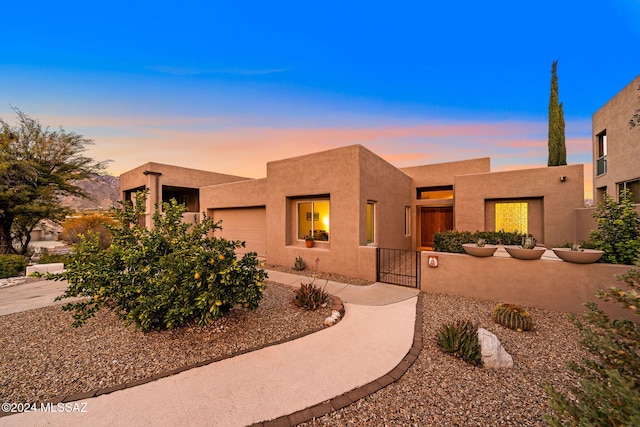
(563, 178)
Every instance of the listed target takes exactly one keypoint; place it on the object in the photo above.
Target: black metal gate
(398, 267)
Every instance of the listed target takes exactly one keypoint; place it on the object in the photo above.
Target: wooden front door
(433, 220)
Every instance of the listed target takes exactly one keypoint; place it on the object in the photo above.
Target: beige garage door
(246, 224)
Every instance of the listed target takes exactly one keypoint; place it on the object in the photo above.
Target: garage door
(246, 224)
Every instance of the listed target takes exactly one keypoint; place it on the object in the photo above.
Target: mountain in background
(104, 190)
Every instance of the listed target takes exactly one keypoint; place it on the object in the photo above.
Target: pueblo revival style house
(369, 204)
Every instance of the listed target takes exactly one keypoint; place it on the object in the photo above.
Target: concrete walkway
(372, 339)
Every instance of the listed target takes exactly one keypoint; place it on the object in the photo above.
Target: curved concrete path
(366, 345)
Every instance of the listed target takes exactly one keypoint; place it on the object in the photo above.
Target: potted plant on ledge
(309, 240)
(577, 255)
(527, 250)
(480, 249)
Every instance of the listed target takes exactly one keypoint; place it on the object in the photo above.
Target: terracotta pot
(520, 253)
(309, 243)
(475, 250)
(584, 256)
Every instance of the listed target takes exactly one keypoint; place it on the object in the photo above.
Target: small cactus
(481, 242)
(299, 264)
(529, 242)
(512, 316)
(576, 247)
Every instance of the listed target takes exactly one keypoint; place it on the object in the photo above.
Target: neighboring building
(616, 146)
(352, 201)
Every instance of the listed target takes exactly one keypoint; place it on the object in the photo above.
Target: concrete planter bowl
(520, 253)
(584, 256)
(475, 250)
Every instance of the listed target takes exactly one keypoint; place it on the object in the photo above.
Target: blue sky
(228, 86)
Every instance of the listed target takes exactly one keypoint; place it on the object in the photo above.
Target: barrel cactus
(512, 316)
(481, 242)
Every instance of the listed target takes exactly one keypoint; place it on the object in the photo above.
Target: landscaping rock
(329, 321)
(493, 353)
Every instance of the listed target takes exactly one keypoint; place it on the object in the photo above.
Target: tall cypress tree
(557, 146)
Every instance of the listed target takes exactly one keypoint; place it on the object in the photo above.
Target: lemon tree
(161, 278)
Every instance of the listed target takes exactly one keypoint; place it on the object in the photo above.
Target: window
(407, 220)
(437, 192)
(371, 222)
(313, 219)
(633, 186)
(601, 162)
(512, 216)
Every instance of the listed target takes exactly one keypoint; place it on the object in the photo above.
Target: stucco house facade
(353, 201)
(616, 146)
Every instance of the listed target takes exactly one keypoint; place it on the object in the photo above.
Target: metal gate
(398, 267)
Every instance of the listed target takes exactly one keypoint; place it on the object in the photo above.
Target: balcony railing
(601, 166)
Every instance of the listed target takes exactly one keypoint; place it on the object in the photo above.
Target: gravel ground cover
(43, 357)
(440, 390)
(334, 277)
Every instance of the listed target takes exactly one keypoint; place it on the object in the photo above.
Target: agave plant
(461, 339)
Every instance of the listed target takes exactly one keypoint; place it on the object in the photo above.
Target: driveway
(31, 295)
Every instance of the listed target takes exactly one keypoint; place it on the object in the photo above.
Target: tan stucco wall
(444, 173)
(438, 174)
(560, 198)
(234, 195)
(552, 285)
(623, 143)
(350, 176)
(168, 175)
(382, 183)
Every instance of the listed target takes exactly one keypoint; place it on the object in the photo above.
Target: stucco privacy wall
(548, 284)
(337, 174)
(623, 151)
(560, 198)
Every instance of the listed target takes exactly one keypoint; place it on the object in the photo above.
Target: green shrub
(512, 316)
(47, 258)
(164, 277)
(618, 233)
(609, 390)
(461, 340)
(12, 265)
(310, 296)
(452, 241)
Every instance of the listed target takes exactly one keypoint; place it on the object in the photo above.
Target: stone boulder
(493, 353)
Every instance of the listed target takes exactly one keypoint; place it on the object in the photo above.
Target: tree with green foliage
(609, 390)
(164, 277)
(37, 167)
(618, 233)
(556, 142)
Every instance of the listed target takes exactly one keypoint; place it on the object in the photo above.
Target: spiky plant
(512, 316)
(310, 296)
(461, 340)
(298, 265)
